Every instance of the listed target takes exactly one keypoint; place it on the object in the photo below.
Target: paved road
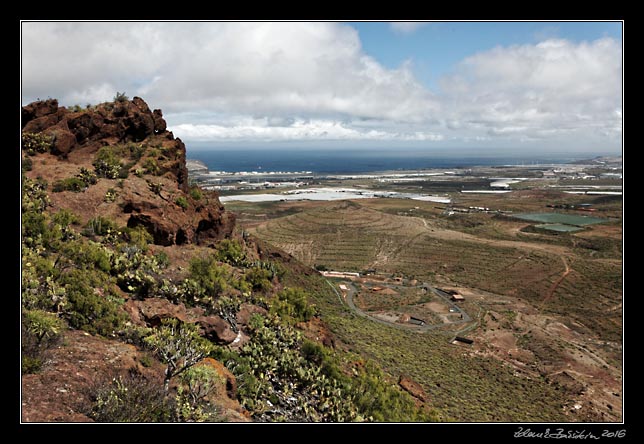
(421, 329)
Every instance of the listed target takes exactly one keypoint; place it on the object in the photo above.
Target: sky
(553, 86)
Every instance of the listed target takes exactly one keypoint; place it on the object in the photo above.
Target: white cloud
(313, 81)
(260, 68)
(406, 27)
(552, 89)
(309, 130)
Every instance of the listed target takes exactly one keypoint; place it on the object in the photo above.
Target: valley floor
(544, 309)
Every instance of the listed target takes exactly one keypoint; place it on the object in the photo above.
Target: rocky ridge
(151, 191)
(156, 193)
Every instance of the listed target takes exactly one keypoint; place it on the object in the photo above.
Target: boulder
(413, 388)
(163, 231)
(153, 310)
(245, 312)
(216, 329)
(159, 122)
(38, 109)
(63, 139)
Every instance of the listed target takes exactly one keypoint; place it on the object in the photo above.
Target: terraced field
(350, 237)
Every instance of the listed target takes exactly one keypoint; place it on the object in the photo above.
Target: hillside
(143, 302)
(546, 310)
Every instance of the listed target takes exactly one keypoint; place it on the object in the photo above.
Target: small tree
(231, 252)
(120, 97)
(178, 345)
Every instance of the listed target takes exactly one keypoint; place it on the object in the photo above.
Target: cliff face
(148, 184)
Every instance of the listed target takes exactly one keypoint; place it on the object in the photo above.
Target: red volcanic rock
(245, 312)
(159, 122)
(413, 388)
(150, 312)
(217, 330)
(76, 138)
(38, 109)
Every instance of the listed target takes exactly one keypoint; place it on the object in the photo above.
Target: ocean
(329, 161)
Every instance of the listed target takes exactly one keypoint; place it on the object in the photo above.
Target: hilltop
(143, 301)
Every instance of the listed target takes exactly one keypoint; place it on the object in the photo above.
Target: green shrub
(107, 164)
(34, 143)
(40, 330)
(91, 307)
(178, 345)
(87, 176)
(231, 252)
(120, 97)
(135, 271)
(136, 150)
(276, 383)
(129, 398)
(110, 195)
(195, 192)
(135, 335)
(30, 363)
(65, 218)
(182, 202)
(197, 383)
(150, 166)
(162, 259)
(139, 236)
(87, 255)
(100, 226)
(208, 275)
(155, 187)
(70, 184)
(44, 326)
(34, 228)
(293, 303)
(27, 164)
(259, 279)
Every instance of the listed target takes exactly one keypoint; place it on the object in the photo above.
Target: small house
(463, 340)
(416, 321)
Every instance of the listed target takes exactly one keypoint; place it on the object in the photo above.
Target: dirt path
(555, 285)
(441, 233)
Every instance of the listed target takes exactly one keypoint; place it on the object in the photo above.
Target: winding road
(352, 291)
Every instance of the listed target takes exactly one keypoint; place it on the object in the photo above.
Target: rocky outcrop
(152, 311)
(413, 388)
(246, 311)
(77, 135)
(216, 329)
(124, 121)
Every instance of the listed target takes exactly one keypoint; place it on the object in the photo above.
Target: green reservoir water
(559, 227)
(559, 218)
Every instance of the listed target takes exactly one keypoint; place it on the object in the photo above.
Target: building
(413, 320)
(463, 340)
(454, 295)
